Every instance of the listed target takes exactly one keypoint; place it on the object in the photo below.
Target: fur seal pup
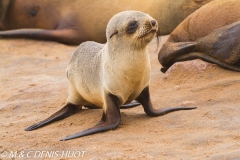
(81, 20)
(211, 34)
(119, 73)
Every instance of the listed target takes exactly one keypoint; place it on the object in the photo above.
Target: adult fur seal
(81, 20)
(211, 34)
(119, 73)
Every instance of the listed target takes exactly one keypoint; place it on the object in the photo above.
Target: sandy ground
(34, 85)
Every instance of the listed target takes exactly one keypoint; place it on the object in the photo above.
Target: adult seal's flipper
(67, 36)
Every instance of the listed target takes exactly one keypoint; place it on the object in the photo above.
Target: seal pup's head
(131, 28)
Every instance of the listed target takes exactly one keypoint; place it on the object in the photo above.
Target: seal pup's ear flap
(115, 32)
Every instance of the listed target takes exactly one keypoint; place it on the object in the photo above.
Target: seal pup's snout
(148, 28)
(154, 25)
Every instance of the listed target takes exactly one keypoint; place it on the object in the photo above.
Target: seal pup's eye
(132, 26)
(115, 32)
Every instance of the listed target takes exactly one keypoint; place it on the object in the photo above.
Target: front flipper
(67, 35)
(144, 99)
(110, 119)
(68, 110)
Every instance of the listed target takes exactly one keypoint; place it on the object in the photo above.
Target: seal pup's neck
(125, 56)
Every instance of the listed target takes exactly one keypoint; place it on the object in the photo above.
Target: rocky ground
(34, 85)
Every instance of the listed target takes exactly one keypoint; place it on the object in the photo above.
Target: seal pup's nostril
(153, 22)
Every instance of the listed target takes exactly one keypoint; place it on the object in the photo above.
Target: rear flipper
(110, 119)
(125, 106)
(68, 110)
(144, 99)
(67, 35)
(130, 105)
(205, 57)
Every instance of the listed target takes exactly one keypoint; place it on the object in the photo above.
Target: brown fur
(75, 21)
(201, 26)
(4, 4)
